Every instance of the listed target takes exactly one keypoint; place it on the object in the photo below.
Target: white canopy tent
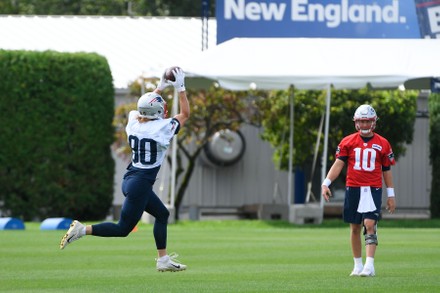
(277, 63)
(313, 63)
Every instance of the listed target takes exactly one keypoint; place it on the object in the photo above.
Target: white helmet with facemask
(152, 106)
(365, 113)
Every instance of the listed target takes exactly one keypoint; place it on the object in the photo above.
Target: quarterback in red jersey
(368, 157)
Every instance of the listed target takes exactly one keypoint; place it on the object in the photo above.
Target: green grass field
(223, 256)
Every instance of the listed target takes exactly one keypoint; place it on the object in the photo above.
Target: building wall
(251, 180)
(412, 174)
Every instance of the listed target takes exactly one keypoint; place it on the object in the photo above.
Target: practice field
(222, 256)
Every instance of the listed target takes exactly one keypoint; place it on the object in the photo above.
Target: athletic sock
(83, 231)
(369, 262)
(358, 262)
(163, 258)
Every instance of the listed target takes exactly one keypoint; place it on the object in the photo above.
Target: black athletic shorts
(351, 203)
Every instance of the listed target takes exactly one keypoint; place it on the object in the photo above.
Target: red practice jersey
(365, 159)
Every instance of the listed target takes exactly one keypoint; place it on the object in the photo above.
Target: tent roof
(145, 45)
(133, 46)
(314, 63)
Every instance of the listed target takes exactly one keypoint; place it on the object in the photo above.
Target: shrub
(55, 157)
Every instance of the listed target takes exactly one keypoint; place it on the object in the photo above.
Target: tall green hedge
(434, 141)
(56, 131)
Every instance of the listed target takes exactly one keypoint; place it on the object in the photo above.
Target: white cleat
(356, 272)
(74, 233)
(170, 264)
(367, 272)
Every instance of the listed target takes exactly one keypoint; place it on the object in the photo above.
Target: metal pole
(174, 153)
(291, 146)
(324, 153)
(205, 17)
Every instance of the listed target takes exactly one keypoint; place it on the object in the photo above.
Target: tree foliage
(396, 111)
(55, 157)
(434, 137)
(105, 7)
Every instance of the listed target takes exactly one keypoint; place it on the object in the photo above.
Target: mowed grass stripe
(222, 256)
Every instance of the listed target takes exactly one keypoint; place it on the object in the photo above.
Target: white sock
(83, 231)
(163, 258)
(369, 262)
(358, 262)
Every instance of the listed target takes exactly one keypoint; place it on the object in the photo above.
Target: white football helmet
(365, 112)
(152, 106)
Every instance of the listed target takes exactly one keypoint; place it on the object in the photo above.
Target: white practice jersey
(150, 140)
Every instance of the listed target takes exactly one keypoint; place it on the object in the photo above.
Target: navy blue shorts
(351, 202)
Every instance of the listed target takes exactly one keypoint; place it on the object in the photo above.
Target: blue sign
(435, 85)
(428, 12)
(317, 18)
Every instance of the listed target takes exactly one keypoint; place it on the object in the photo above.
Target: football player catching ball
(149, 133)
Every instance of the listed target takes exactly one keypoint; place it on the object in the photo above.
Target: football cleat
(74, 233)
(367, 272)
(356, 272)
(170, 264)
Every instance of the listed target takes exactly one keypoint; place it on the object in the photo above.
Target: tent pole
(291, 146)
(326, 129)
(173, 155)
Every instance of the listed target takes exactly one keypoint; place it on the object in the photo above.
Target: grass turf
(223, 256)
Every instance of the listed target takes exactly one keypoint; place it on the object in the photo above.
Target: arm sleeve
(343, 158)
(388, 156)
(132, 115)
(175, 124)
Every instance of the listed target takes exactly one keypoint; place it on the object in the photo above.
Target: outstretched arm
(179, 85)
(184, 108)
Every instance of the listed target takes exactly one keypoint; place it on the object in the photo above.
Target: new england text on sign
(314, 18)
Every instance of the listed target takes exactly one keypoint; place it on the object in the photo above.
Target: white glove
(179, 83)
(163, 83)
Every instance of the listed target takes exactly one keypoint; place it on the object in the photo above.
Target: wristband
(390, 192)
(327, 182)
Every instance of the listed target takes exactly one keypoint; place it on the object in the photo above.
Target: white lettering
(434, 19)
(334, 14)
(344, 8)
(273, 11)
(254, 11)
(390, 14)
(316, 10)
(374, 10)
(356, 13)
(298, 10)
(236, 9)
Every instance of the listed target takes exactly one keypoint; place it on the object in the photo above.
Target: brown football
(169, 75)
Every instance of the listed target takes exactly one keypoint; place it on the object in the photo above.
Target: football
(169, 75)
